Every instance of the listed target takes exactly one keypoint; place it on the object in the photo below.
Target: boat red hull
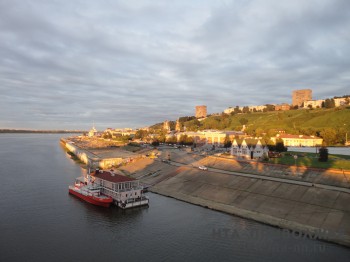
(93, 200)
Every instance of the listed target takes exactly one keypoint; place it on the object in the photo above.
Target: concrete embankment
(105, 157)
(318, 212)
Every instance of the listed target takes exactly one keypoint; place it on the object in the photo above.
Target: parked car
(203, 168)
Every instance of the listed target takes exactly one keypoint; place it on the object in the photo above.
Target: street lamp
(295, 159)
(346, 136)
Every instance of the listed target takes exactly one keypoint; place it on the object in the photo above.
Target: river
(331, 150)
(40, 221)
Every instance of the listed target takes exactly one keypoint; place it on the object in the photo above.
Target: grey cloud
(135, 63)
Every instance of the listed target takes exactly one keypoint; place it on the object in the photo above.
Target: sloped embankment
(324, 213)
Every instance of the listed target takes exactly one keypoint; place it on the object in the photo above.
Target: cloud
(135, 63)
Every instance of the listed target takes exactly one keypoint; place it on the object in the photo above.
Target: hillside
(331, 124)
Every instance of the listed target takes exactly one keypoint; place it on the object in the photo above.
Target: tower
(201, 111)
(300, 96)
(166, 125)
(178, 126)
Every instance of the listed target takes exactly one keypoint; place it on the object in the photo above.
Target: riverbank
(320, 213)
(305, 200)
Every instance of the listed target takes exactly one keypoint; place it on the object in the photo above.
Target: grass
(131, 148)
(311, 160)
(293, 119)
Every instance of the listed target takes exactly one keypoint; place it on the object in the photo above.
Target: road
(262, 177)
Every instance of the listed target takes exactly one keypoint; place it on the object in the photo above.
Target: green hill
(331, 124)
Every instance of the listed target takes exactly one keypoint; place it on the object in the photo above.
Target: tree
(227, 142)
(245, 109)
(243, 121)
(186, 140)
(141, 134)
(155, 143)
(280, 146)
(259, 132)
(323, 151)
(270, 107)
(107, 135)
(172, 140)
(186, 118)
(329, 136)
(192, 125)
(237, 110)
(329, 103)
(347, 100)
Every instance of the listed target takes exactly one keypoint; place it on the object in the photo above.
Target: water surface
(40, 221)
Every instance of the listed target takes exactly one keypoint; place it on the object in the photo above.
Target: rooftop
(111, 176)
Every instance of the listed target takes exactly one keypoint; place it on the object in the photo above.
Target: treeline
(330, 124)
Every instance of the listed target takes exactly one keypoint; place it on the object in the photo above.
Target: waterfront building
(248, 148)
(298, 140)
(120, 132)
(210, 136)
(300, 96)
(92, 132)
(125, 191)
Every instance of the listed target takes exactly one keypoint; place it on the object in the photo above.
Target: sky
(69, 64)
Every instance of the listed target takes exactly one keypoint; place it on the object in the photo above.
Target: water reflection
(42, 222)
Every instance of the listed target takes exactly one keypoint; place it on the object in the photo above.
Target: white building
(339, 101)
(92, 132)
(298, 140)
(313, 103)
(126, 191)
(248, 148)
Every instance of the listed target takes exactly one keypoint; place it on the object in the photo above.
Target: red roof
(112, 177)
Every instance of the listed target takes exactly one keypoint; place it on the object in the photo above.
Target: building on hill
(313, 103)
(248, 148)
(166, 125)
(341, 101)
(282, 107)
(178, 126)
(298, 140)
(300, 96)
(201, 111)
(210, 136)
(229, 110)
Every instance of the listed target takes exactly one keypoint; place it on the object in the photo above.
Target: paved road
(269, 178)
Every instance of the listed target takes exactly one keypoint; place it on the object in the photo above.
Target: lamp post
(346, 136)
(295, 159)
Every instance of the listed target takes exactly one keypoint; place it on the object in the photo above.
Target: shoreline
(300, 230)
(321, 213)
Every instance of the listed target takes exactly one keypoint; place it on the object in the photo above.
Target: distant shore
(6, 131)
